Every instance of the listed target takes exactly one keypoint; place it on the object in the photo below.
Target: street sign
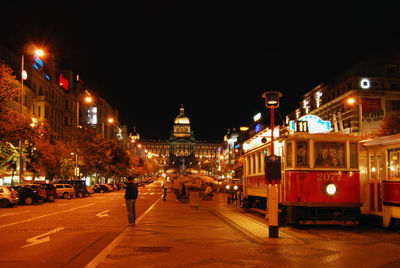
(273, 169)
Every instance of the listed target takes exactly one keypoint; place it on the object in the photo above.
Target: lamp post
(272, 170)
(24, 76)
(87, 99)
(110, 121)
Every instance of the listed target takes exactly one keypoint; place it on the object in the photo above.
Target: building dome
(182, 119)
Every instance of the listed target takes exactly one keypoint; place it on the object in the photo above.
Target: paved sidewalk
(173, 234)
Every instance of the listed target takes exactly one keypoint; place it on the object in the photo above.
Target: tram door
(376, 164)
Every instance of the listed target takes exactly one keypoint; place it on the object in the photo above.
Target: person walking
(165, 191)
(131, 194)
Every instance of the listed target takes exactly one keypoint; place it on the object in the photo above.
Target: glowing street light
(88, 99)
(272, 102)
(351, 101)
(24, 76)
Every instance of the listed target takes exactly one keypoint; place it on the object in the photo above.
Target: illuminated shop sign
(365, 83)
(314, 124)
(63, 82)
(257, 117)
(38, 60)
(258, 128)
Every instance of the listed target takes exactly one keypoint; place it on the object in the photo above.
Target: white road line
(39, 239)
(103, 254)
(43, 216)
(103, 214)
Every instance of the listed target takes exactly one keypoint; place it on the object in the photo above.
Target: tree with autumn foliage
(101, 156)
(14, 126)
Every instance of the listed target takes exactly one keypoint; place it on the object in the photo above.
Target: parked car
(28, 195)
(8, 196)
(89, 189)
(65, 190)
(41, 190)
(79, 185)
(101, 188)
(51, 192)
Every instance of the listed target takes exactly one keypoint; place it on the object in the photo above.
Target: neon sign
(258, 128)
(63, 82)
(314, 124)
(38, 60)
(365, 83)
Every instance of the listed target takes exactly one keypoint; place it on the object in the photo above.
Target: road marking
(103, 214)
(103, 254)
(39, 239)
(9, 214)
(43, 216)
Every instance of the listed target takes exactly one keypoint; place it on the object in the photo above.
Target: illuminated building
(357, 101)
(182, 151)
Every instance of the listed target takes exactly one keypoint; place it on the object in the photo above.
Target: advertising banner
(372, 115)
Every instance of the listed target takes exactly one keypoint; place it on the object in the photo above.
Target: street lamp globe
(39, 52)
(272, 98)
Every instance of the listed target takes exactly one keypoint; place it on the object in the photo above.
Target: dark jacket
(131, 191)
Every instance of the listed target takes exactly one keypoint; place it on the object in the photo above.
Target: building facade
(357, 101)
(182, 151)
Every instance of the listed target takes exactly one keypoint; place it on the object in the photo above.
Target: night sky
(215, 59)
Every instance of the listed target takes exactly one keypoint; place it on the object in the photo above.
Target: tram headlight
(235, 187)
(227, 187)
(330, 189)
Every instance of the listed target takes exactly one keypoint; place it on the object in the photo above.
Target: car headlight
(330, 189)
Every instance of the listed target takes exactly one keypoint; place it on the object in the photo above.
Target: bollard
(194, 200)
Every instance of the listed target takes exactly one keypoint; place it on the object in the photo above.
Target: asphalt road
(66, 233)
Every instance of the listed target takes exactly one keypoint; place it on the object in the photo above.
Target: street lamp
(110, 120)
(24, 76)
(272, 169)
(87, 99)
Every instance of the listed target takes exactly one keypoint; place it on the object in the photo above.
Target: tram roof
(385, 140)
(322, 136)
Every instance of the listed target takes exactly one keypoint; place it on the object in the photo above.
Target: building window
(395, 105)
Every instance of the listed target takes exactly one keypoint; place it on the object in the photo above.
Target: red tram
(320, 176)
(380, 180)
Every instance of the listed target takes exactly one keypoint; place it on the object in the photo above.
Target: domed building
(181, 128)
(182, 150)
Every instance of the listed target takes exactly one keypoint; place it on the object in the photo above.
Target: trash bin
(194, 200)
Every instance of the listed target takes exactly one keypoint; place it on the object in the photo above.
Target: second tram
(380, 180)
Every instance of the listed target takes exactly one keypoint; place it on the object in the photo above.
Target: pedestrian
(131, 194)
(165, 191)
(183, 190)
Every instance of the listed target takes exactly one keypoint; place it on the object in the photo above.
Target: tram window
(372, 166)
(289, 155)
(329, 154)
(253, 163)
(353, 155)
(301, 154)
(394, 163)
